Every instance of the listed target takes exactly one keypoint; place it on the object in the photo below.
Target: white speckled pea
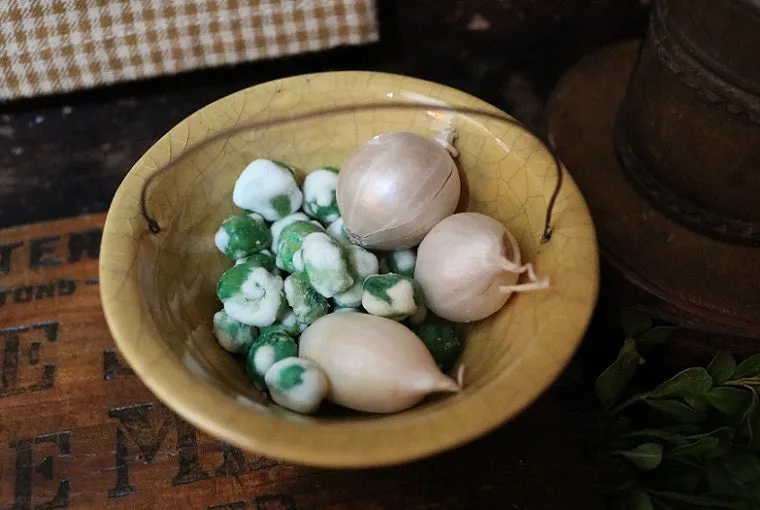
(266, 351)
(296, 384)
(319, 194)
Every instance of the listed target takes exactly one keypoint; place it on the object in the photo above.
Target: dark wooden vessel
(663, 137)
(688, 131)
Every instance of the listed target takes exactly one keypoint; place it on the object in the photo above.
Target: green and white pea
(266, 351)
(286, 323)
(338, 232)
(363, 263)
(391, 295)
(291, 240)
(251, 294)
(400, 262)
(279, 225)
(264, 259)
(269, 188)
(296, 384)
(325, 263)
(233, 336)
(443, 342)
(241, 235)
(307, 304)
(319, 194)
(340, 309)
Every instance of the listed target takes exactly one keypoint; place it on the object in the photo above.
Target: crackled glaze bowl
(158, 290)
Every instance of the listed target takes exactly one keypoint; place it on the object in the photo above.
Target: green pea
(401, 262)
(338, 232)
(319, 195)
(286, 323)
(296, 384)
(363, 264)
(242, 235)
(266, 351)
(391, 295)
(326, 264)
(291, 240)
(339, 309)
(278, 225)
(442, 341)
(269, 188)
(251, 294)
(232, 335)
(307, 304)
(261, 259)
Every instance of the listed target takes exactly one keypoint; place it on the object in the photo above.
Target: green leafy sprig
(690, 441)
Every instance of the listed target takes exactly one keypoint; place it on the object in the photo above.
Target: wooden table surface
(79, 430)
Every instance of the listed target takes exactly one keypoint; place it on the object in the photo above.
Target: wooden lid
(704, 277)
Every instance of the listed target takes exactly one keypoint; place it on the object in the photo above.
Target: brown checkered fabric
(50, 46)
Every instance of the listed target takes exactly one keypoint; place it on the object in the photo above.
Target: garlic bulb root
(468, 265)
(460, 376)
(446, 140)
(535, 283)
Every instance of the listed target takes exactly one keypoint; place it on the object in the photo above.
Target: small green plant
(689, 443)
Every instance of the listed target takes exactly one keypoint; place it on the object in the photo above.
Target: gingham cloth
(51, 46)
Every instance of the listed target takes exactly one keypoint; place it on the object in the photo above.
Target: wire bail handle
(255, 125)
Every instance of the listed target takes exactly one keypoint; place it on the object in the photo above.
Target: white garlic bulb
(395, 187)
(468, 267)
(372, 364)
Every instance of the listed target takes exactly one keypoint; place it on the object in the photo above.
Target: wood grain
(79, 430)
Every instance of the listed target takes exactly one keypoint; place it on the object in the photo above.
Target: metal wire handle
(254, 125)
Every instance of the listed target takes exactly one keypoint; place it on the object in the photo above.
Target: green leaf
(700, 501)
(658, 335)
(638, 499)
(735, 474)
(697, 448)
(699, 404)
(725, 434)
(692, 382)
(748, 368)
(743, 466)
(684, 430)
(719, 480)
(662, 434)
(646, 456)
(676, 411)
(680, 478)
(725, 437)
(612, 382)
(729, 399)
(748, 421)
(722, 367)
(635, 322)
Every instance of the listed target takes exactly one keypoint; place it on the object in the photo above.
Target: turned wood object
(662, 135)
(688, 131)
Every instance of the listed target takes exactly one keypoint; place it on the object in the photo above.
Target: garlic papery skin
(372, 364)
(468, 267)
(395, 187)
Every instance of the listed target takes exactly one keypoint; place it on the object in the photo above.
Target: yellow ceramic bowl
(158, 290)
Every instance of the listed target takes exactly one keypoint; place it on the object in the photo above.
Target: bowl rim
(162, 372)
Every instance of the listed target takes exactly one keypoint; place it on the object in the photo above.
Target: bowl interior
(159, 289)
